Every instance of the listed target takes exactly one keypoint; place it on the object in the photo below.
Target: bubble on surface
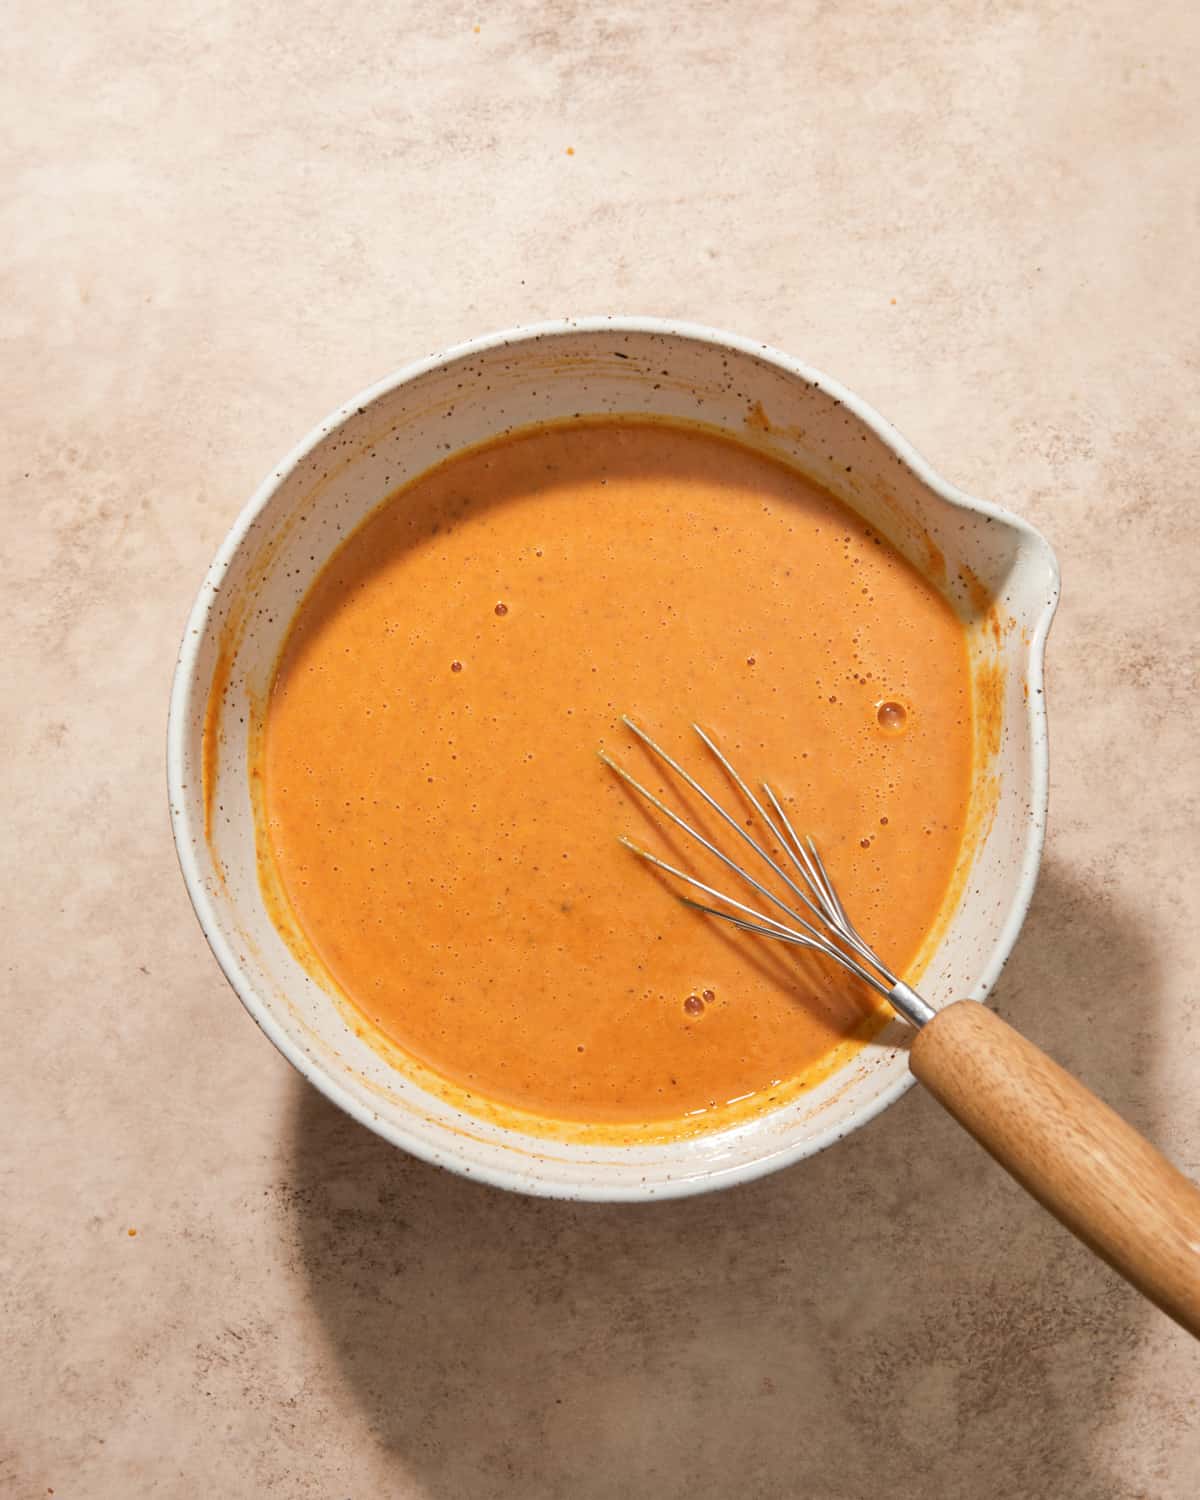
(892, 716)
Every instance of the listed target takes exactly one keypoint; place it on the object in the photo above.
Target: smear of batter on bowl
(445, 835)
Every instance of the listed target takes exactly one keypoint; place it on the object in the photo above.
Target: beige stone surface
(219, 220)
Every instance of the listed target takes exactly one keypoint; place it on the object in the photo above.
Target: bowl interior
(998, 572)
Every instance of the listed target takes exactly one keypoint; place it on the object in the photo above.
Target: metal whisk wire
(836, 937)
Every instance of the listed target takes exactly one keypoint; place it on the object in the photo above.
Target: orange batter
(447, 837)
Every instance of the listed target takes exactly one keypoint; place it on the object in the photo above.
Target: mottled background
(218, 221)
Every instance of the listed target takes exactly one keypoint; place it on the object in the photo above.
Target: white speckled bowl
(410, 421)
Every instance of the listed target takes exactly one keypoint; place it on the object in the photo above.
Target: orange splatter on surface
(988, 688)
(570, 150)
(131, 1233)
(935, 559)
(210, 743)
(229, 642)
(977, 591)
(757, 418)
(985, 605)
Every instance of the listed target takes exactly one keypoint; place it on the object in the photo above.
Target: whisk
(1074, 1154)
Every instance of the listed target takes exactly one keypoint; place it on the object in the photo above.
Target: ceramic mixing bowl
(998, 572)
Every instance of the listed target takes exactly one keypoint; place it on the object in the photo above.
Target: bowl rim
(188, 838)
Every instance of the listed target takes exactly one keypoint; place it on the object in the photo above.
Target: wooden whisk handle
(1077, 1157)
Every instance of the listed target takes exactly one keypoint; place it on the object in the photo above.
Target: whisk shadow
(893, 1316)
